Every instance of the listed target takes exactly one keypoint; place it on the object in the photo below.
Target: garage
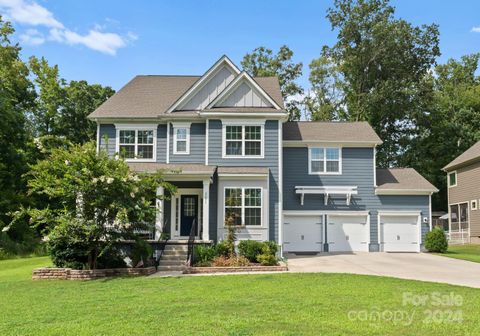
(399, 233)
(348, 233)
(302, 233)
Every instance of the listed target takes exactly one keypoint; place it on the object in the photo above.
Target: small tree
(435, 241)
(96, 202)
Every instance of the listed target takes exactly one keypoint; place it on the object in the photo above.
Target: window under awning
(326, 192)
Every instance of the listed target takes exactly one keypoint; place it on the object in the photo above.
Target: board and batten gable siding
(109, 131)
(197, 146)
(357, 170)
(466, 190)
(269, 160)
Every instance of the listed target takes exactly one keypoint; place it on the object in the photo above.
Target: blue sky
(109, 42)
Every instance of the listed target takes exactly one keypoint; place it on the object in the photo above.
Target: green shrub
(267, 259)
(435, 241)
(204, 254)
(141, 253)
(250, 249)
(112, 258)
(271, 246)
(222, 249)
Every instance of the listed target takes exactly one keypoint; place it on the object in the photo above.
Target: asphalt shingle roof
(469, 156)
(402, 179)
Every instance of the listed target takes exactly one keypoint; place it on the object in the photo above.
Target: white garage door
(399, 233)
(347, 233)
(302, 233)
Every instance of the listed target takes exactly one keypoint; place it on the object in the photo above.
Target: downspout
(98, 136)
(168, 143)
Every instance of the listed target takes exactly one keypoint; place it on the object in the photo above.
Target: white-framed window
(244, 204)
(325, 160)
(181, 139)
(474, 204)
(452, 179)
(137, 143)
(243, 140)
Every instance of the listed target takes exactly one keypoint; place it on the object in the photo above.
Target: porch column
(159, 217)
(206, 210)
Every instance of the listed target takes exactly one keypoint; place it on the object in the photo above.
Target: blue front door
(188, 213)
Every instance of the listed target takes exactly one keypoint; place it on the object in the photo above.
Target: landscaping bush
(267, 256)
(435, 241)
(113, 257)
(230, 262)
(204, 254)
(222, 249)
(141, 253)
(250, 249)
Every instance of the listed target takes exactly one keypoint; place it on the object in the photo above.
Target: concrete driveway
(415, 266)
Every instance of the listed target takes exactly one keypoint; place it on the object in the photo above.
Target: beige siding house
(463, 179)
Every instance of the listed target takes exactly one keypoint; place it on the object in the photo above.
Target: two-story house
(463, 181)
(223, 139)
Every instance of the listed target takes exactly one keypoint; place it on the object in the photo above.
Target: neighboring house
(463, 180)
(223, 140)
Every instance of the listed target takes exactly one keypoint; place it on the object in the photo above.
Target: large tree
(16, 97)
(262, 62)
(452, 124)
(375, 72)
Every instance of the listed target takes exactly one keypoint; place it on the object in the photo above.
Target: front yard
(267, 304)
(470, 252)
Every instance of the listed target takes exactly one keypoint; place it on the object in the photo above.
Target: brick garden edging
(50, 273)
(201, 270)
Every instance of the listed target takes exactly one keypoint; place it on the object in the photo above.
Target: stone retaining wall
(197, 270)
(47, 273)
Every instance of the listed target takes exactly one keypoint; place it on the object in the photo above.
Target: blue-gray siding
(357, 170)
(270, 160)
(197, 146)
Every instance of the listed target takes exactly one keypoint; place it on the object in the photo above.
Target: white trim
(242, 124)
(175, 234)
(136, 128)
(325, 143)
(369, 233)
(375, 166)
(261, 207)
(323, 212)
(202, 81)
(448, 179)
(206, 210)
(475, 201)
(348, 191)
(206, 141)
(98, 137)
(177, 126)
(243, 175)
(399, 213)
(167, 159)
(280, 188)
(270, 115)
(325, 161)
(425, 192)
(232, 86)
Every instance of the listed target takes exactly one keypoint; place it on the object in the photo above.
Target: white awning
(326, 192)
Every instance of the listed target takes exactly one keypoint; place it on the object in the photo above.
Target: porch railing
(191, 241)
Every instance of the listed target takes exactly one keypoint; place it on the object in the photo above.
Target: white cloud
(29, 12)
(32, 37)
(475, 30)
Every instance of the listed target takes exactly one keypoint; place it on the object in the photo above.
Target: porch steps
(173, 258)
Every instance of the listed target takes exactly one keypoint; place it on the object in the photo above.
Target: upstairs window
(452, 179)
(181, 140)
(243, 141)
(136, 144)
(325, 160)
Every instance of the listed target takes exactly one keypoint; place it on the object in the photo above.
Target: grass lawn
(470, 252)
(264, 304)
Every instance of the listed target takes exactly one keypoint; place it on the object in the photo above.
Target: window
(136, 144)
(474, 204)
(244, 205)
(243, 141)
(459, 217)
(325, 161)
(181, 140)
(452, 179)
